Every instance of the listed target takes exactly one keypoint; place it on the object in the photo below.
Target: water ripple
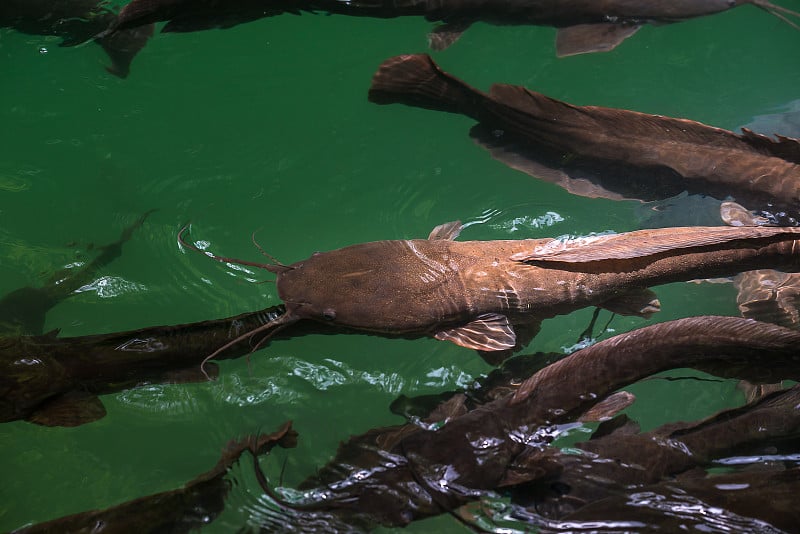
(111, 286)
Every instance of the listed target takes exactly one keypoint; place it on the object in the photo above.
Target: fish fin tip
(641, 303)
(608, 408)
(447, 231)
(587, 38)
(488, 332)
(444, 35)
(734, 214)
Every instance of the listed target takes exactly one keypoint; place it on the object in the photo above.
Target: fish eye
(329, 314)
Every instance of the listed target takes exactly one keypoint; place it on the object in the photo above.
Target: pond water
(266, 127)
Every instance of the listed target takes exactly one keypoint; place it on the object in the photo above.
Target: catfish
(23, 311)
(583, 25)
(76, 22)
(186, 509)
(492, 295)
(56, 381)
(395, 475)
(601, 152)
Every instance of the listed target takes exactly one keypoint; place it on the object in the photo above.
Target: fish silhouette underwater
(604, 152)
(77, 21)
(583, 26)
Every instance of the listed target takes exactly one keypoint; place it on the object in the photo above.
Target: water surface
(267, 127)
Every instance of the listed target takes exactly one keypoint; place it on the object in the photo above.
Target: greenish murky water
(267, 127)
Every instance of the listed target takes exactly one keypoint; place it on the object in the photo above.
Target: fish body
(603, 152)
(505, 443)
(77, 21)
(56, 381)
(474, 292)
(584, 25)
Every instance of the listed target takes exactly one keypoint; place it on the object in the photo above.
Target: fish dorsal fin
(586, 38)
(629, 124)
(73, 408)
(784, 147)
(447, 231)
(642, 243)
(489, 332)
(444, 35)
(639, 303)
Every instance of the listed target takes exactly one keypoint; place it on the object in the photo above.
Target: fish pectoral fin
(447, 231)
(769, 296)
(641, 303)
(608, 407)
(73, 408)
(539, 162)
(446, 34)
(488, 332)
(525, 332)
(586, 38)
(734, 214)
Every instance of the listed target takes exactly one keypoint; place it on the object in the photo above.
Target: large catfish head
(381, 286)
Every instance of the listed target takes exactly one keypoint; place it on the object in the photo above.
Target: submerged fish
(603, 152)
(481, 294)
(583, 25)
(186, 509)
(392, 476)
(77, 21)
(23, 311)
(56, 381)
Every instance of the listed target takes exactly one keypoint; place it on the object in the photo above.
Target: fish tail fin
(415, 80)
(122, 46)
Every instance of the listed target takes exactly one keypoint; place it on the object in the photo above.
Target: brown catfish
(400, 474)
(23, 310)
(57, 381)
(584, 25)
(475, 293)
(603, 152)
(187, 509)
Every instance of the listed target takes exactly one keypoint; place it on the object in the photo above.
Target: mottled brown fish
(603, 152)
(583, 25)
(479, 294)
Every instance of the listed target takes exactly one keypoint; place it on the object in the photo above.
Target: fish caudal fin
(415, 80)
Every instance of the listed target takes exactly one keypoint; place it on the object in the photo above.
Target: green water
(267, 127)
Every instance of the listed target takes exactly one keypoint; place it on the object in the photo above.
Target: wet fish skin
(56, 381)
(603, 152)
(584, 25)
(395, 475)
